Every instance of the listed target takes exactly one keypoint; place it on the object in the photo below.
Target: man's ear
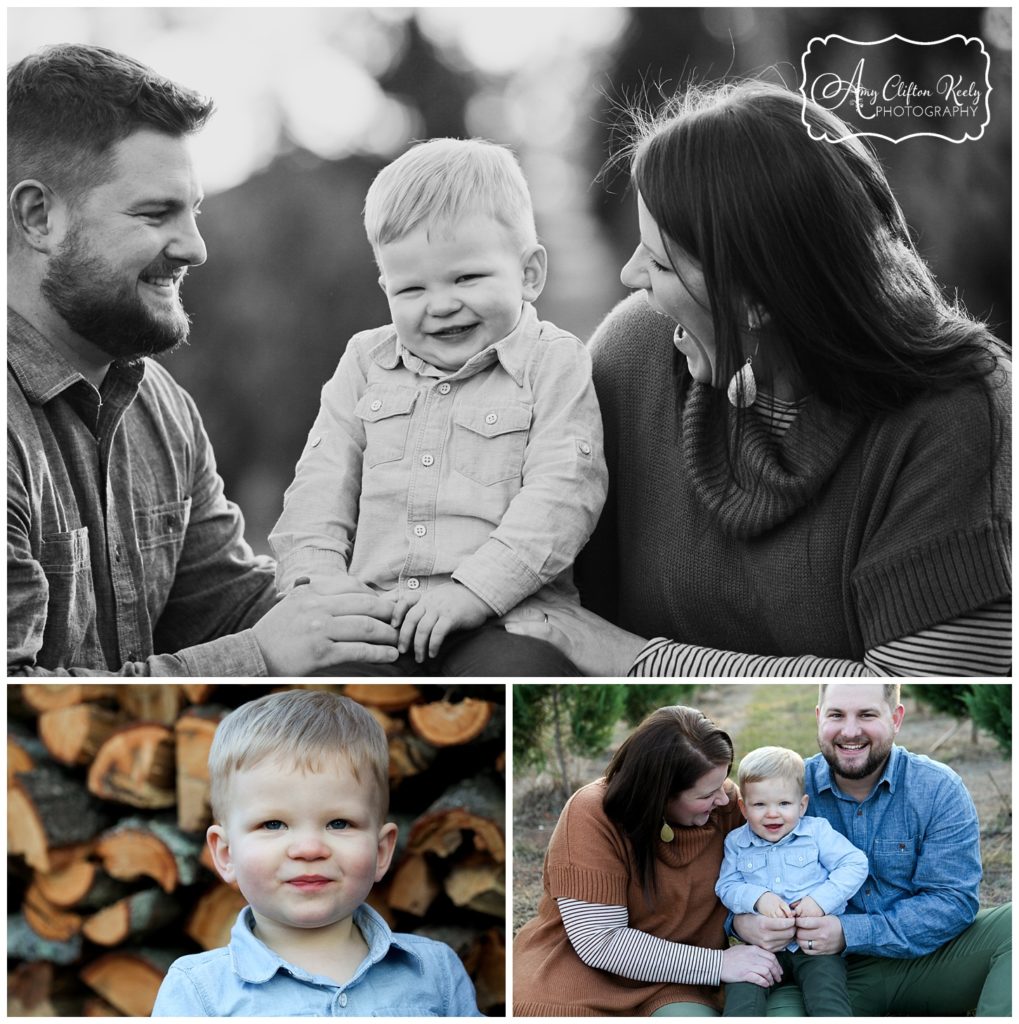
(219, 847)
(386, 849)
(535, 269)
(31, 207)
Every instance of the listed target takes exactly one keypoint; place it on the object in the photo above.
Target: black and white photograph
(509, 342)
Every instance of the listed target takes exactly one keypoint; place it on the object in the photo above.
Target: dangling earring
(742, 390)
(666, 833)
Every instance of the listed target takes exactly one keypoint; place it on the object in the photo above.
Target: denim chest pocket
(65, 559)
(160, 530)
(895, 860)
(385, 413)
(489, 443)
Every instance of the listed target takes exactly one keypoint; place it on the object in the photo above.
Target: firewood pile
(109, 876)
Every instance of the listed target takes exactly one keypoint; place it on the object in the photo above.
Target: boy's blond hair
(442, 181)
(771, 763)
(302, 729)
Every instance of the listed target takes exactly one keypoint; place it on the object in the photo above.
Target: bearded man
(123, 554)
(915, 941)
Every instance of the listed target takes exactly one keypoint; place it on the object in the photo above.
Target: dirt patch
(538, 799)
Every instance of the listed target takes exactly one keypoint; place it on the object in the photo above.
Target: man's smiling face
(856, 728)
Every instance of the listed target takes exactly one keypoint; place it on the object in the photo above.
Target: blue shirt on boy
(402, 976)
(919, 830)
(812, 860)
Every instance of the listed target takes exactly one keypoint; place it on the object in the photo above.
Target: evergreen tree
(990, 704)
(945, 697)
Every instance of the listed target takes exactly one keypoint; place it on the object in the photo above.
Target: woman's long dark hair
(807, 231)
(666, 754)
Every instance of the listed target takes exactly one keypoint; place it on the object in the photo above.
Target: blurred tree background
(313, 101)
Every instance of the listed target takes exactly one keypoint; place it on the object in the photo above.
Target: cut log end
(444, 724)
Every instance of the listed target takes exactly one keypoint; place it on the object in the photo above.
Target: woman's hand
(749, 963)
(773, 933)
(595, 646)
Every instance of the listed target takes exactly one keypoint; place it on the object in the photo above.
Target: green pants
(972, 972)
(821, 981)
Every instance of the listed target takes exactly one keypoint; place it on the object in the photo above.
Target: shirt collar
(511, 352)
(824, 780)
(255, 963)
(42, 370)
(748, 837)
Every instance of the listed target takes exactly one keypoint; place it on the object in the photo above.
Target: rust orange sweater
(590, 859)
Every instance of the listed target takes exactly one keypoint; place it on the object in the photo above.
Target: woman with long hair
(628, 923)
(809, 446)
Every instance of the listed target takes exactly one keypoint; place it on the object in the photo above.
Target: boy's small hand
(771, 905)
(428, 621)
(807, 907)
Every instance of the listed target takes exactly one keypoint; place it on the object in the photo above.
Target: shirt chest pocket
(800, 861)
(894, 861)
(161, 530)
(489, 443)
(753, 861)
(385, 413)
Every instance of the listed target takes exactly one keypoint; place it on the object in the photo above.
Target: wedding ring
(810, 943)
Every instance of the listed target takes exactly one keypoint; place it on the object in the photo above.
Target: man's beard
(80, 286)
(875, 760)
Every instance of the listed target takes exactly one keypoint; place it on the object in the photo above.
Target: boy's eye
(273, 826)
(469, 277)
(339, 823)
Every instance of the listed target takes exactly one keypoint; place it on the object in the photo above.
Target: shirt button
(343, 999)
(445, 387)
(427, 460)
(376, 405)
(420, 530)
(585, 448)
(491, 418)
(413, 583)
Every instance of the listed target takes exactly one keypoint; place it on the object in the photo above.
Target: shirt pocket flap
(495, 420)
(65, 553)
(379, 403)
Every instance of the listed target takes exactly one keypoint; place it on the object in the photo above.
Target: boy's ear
(535, 268)
(742, 807)
(219, 847)
(803, 804)
(386, 849)
(382, 284)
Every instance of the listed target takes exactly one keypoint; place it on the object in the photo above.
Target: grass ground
(757, 714)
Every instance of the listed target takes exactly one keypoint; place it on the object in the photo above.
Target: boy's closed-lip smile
(310, 881)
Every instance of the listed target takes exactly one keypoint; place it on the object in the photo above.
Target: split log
(75, 733)
(214, 915)
(29, 988)
(479, 884)
(50, 815)
(476, 805)
(197, 693)
(154, 849)
(129, 980)
(25, 751)
(49, 921)
(444, 724)
(95, 1006)
(47, 696)
(80, 884)
(135, 766)
(414, 886)
(193, 734)
(25, 944)
(408, 755)
(390, 726)
(489, 973)
(151, 702)
(388, 696)
(131, 916)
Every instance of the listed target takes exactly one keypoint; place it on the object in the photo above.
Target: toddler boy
(456, 461)
(299, 794)
(783, 864)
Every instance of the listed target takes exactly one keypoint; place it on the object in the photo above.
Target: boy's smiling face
(305, 847)
(772, 807)
(454, 289)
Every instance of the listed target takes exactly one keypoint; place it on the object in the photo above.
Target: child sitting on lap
(299, 793)
(783, 864)
(456, 462)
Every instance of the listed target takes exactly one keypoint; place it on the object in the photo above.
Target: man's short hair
(771, 763)
(302, 729)
(892, 693)
(443, 180)
(67, 105)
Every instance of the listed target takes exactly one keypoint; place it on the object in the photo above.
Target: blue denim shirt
(402, 976)
(919, 830)
(812, 860)
(492, 475)
(123, 554)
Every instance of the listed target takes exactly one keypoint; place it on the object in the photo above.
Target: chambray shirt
(919, 830)
(402, 976)
(492, 475)
(812, 860)
(123, 555)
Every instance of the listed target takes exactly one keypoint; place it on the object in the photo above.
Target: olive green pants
(972, 972)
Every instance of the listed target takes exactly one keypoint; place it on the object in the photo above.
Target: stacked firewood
(108, 801)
